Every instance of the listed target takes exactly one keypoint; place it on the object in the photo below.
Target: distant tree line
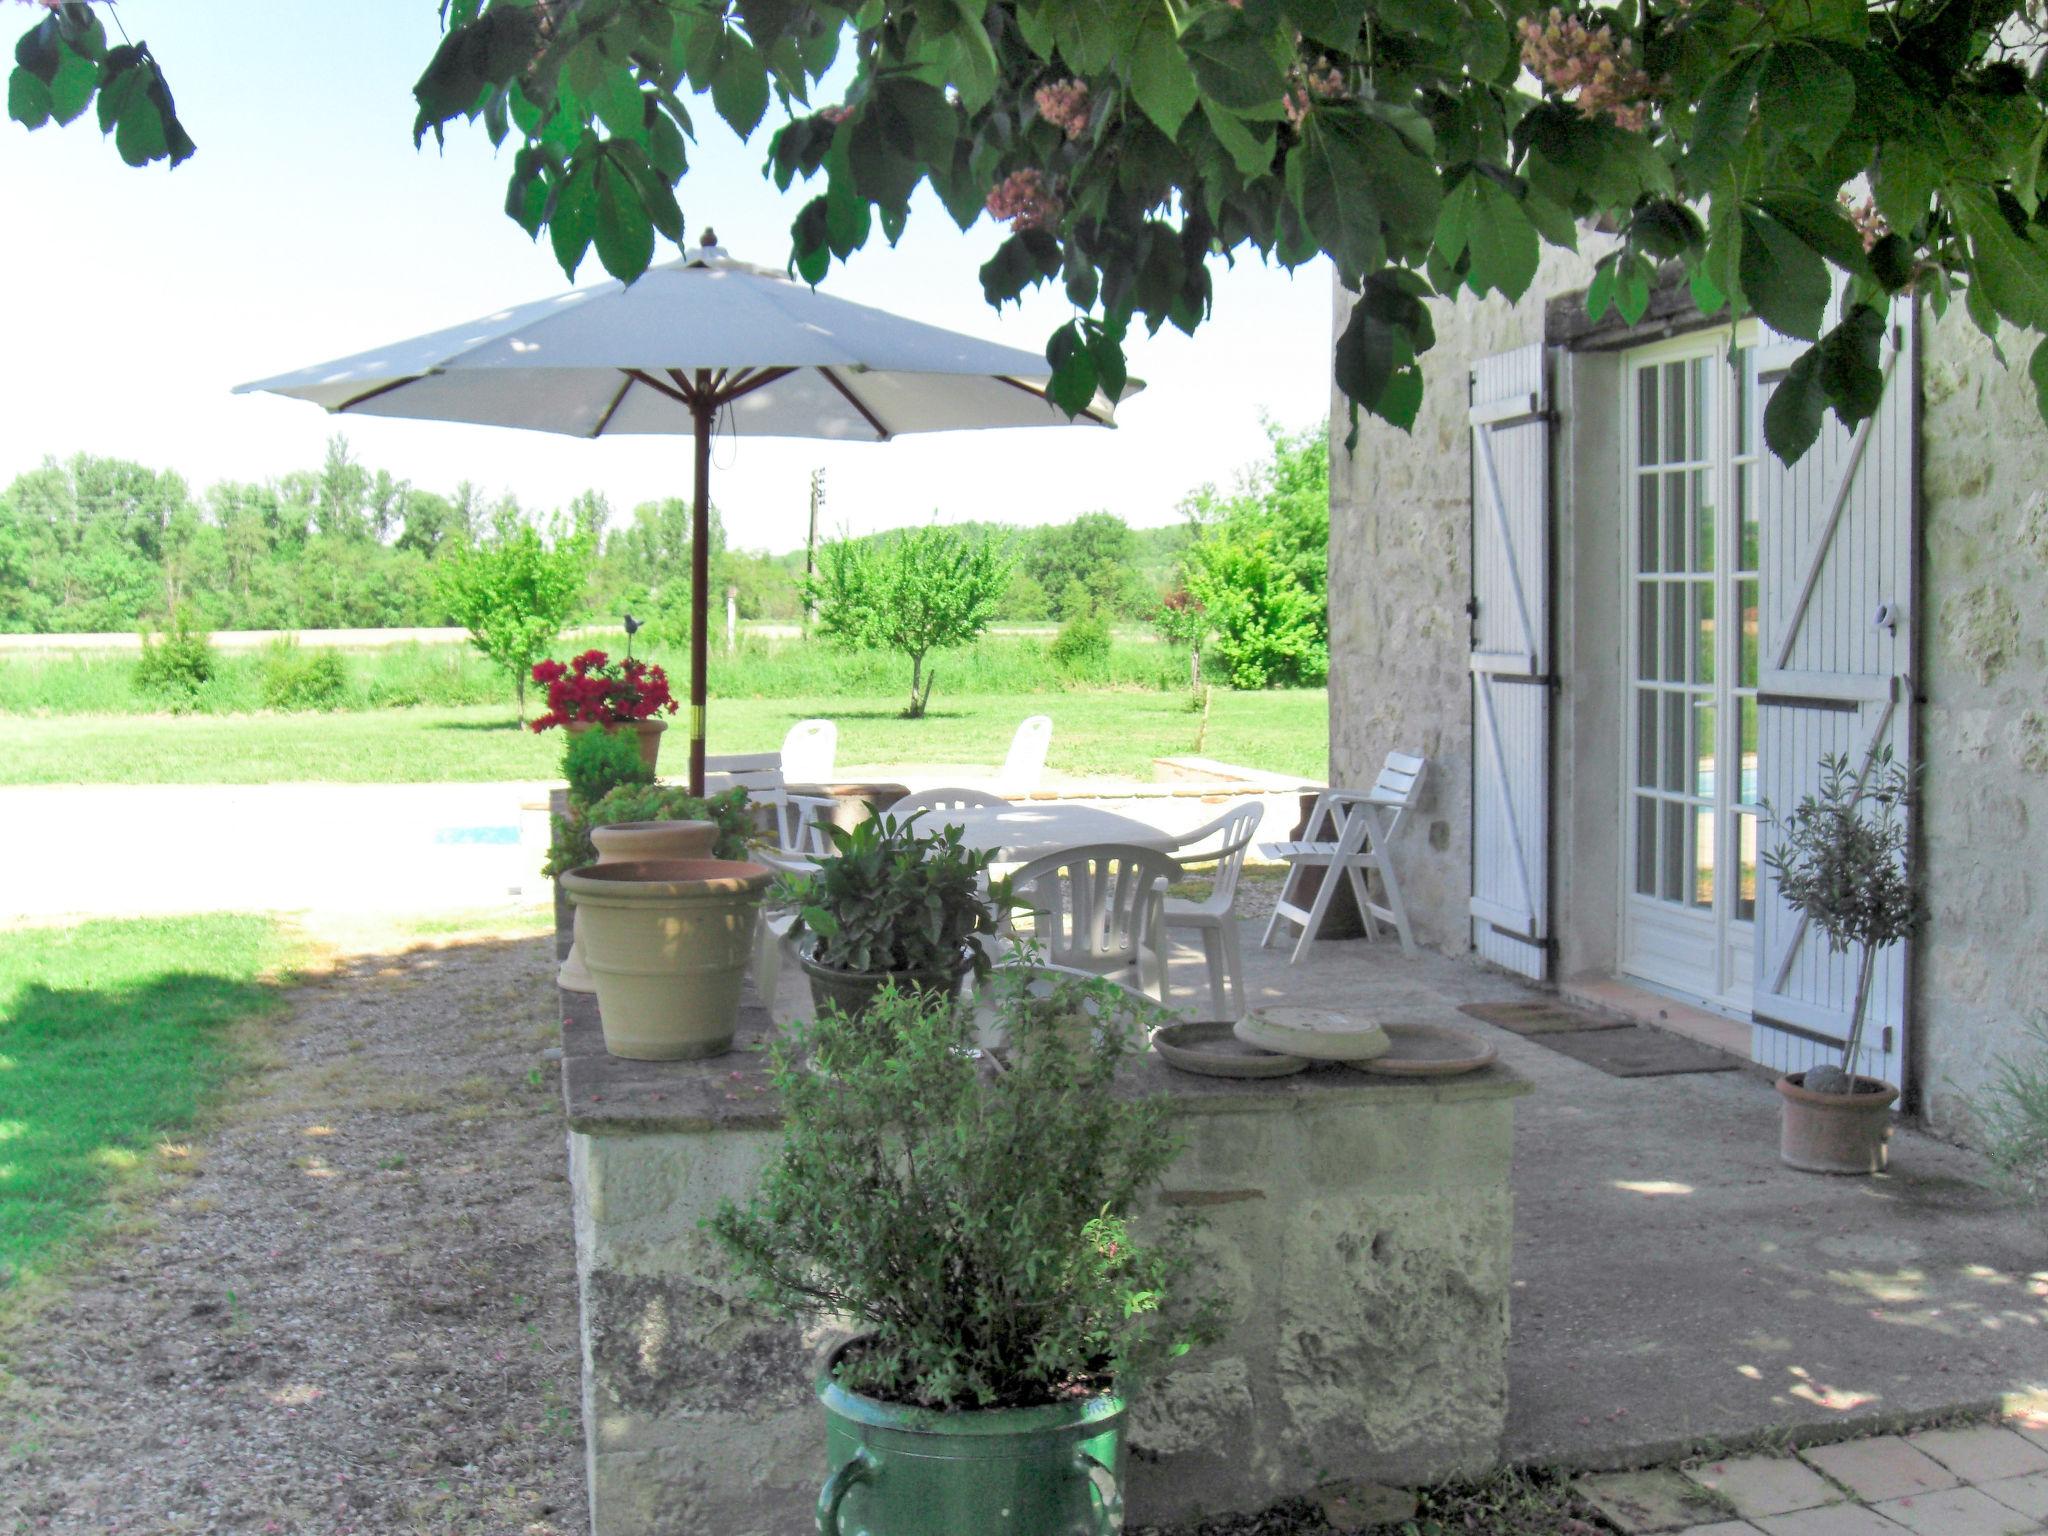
(100, 544)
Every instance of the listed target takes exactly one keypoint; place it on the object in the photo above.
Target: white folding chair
(1349, 834)
(808, 752)
(1024, 767)
(760, 775)
(943, 800)
(1098, 909)
(1214, 917)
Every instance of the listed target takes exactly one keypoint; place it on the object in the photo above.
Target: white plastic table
(1018, 834)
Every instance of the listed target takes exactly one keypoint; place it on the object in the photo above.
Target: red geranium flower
(595, 690)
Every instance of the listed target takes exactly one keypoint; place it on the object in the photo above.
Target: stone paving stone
(1958, 1512)
(1657, 1500)
(1765, 1485)
(2028, 1495)
(1831, 1520)
(1982, 1454)
(1883, 1467)
(1725, 1528)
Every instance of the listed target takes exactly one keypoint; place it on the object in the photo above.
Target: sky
(308, 227)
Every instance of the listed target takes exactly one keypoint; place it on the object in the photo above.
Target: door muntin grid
(1692, 442)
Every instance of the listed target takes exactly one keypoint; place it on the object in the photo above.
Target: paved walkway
(1976, 1480)
(1677, 1289)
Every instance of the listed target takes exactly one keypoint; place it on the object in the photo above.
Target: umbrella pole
(700, 586)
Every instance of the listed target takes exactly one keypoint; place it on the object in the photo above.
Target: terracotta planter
(1835, 1132)
(617, 844)
(853, 991)
(667, 941)
(649, 732)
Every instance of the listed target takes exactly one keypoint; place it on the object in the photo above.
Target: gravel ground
(353, 1308)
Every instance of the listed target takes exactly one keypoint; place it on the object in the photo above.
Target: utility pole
(811, 548)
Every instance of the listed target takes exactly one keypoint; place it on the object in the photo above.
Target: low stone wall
(1358, 1229)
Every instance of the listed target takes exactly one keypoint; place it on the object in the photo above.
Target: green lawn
(1113, 732)
(113, 1036)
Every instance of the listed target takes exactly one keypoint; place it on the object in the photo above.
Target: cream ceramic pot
(618, 842)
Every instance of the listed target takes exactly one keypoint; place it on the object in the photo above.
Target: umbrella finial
(709, 238)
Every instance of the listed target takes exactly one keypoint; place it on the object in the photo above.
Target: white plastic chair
(809, 751)
(1350, 833)
(760, 775)
(944, 800)
(771, 931)
(1099, 909)
(1025, 765)
(1214, 917)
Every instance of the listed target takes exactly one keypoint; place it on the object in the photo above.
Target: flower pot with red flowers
(593, 691)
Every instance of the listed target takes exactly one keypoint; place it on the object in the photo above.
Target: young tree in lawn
(514, 592)
(914, 592)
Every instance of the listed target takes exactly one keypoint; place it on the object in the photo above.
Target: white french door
(1689, 818)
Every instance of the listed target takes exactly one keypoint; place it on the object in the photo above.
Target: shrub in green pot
(895, 905)
(976, 1226)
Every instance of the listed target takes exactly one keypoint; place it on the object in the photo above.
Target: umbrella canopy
(702, 343)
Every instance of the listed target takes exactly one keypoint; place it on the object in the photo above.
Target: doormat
(1544, 1018)
(1637, 1051)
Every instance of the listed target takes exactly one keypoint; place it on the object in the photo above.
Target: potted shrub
(971, 1225)
(617, 697)
(666, 942)
(1841, 860)
(895, 906)
(641, 821)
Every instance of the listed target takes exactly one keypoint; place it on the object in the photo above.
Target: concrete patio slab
(1766, 1485)
(1723, 1528)
(1657, 1500)
(1958, 1512)
(1982, 1453)
(1883, 1467)
(2028, 1495)
(1831, 1520)
(1675, 1286)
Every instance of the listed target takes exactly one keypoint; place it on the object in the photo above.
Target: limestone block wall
(1400, 573)
(1358, 1232)
(1982, 968)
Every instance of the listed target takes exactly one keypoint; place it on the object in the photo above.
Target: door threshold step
(1660, 1012)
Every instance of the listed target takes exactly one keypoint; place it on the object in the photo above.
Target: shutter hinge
(1471, 607)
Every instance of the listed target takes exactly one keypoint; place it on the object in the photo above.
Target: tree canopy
(1776, 148)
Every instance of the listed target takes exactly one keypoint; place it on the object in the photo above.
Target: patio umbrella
(700, 345)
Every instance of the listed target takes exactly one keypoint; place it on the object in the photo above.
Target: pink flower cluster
(1567, 55)
(1870, 223)
(1308, 83)
(595, 690)
(1064, 104)
(1026, 201)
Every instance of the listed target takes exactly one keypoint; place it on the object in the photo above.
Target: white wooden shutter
(1511, 660)
(1839, 602)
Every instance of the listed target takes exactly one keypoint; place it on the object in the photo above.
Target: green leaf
(1454, 218)
(1600, 292)
(1805, 98)
(1161, 81)
(2011, 269)
(1074, 380)
(1783, 277)
(740, 88)
(1721, 118)
(1632, 276)
(1904, 184)
(620, 104)
(2037, 370)
(623, 231)
(1504, 245)
(1821, 224)
(1792, 417)
(572, 215)
(657, 196)
(72, 87)
(1250, 151)
(1233, 62)
(28, 99)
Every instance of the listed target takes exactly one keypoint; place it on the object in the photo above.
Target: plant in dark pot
(970, 1223)
(895, 905)
(1841, 860)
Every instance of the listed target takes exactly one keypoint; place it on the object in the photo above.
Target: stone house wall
(1400, 532)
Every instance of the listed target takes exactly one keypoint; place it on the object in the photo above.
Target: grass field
(1112, 732)
(114, 1036)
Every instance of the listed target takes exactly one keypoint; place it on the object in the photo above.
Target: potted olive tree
(977, 1227)
(894, 905)
(1841, 861)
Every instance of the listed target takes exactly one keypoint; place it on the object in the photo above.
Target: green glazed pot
(897, 1471)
